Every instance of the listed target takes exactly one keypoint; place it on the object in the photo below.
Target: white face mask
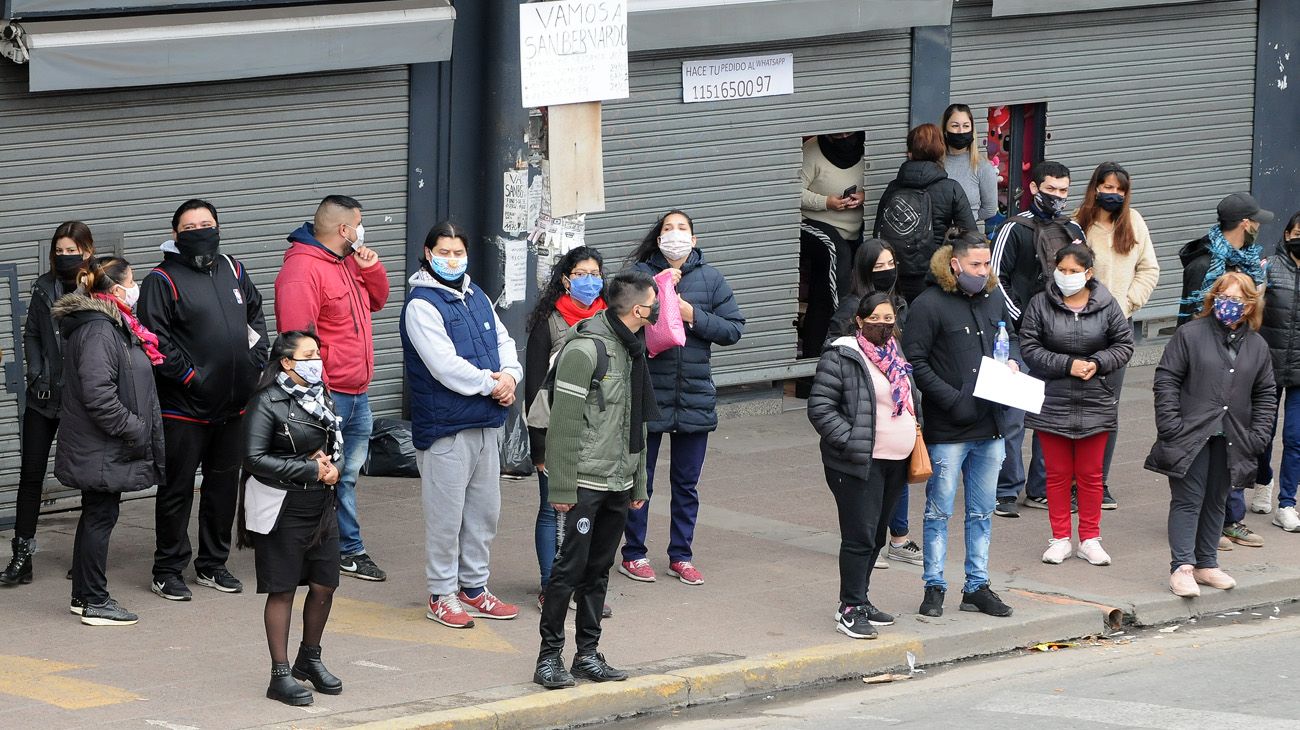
(361, 237)
(310, 370)
(1070, 284)
(675, 244)
(131, 295)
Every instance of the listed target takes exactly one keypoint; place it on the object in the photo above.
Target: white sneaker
(1057, 551)
(1287, 519)
(881, 563)
(1262, 502)
(1092, 551)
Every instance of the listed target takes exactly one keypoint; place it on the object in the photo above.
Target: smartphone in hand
(849, 191)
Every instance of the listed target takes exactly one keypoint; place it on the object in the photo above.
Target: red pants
(1078, 462)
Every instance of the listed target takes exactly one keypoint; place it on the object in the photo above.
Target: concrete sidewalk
(766, 544)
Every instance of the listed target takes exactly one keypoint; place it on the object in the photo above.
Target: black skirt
(286, 558)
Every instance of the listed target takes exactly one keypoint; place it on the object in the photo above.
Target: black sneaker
(1107, 501)
(878, 617)
(984, 600)
(932, 604)
(172, 588)
(595, 668)
(361, 566)
(1007, 507)
(221, 579)
(854, 623)
(76, 606)
(551, 674)
(107, 614)
(1036, 502)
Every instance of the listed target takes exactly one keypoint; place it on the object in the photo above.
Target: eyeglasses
(1225, 298)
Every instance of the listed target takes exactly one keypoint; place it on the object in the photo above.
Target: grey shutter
(734, 167)
(264, 152)
(1165, 91)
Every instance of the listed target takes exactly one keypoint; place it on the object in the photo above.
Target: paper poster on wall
(573, 51)
(535, 199)
(515, 287)
(742, 77)
(514, 211)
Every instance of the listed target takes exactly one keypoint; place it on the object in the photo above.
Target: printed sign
(744, 77)
(573, 51)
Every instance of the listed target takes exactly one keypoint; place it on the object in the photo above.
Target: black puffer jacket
(110, 435)
(1281, 329)
(280, 439)
(842, 408)
(1052, 337)
(1200, 391)
(43, 348)
(948, 205)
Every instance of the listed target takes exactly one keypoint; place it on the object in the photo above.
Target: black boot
(285, 688)
(308, 668)
(20, 567)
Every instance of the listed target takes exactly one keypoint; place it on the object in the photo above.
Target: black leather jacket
(280, 439)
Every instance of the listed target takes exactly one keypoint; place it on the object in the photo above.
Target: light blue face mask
(449, 267)
(586, 288)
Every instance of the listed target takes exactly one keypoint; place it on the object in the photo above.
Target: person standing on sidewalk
(207, 315)
(1215, 400)
(1126, 265)
(965, 163)
(70, 247)
(1281, 330)
(111, 430)
(332, 282)
(462, 369)
(951, 326)
(596, 461)
(1230, 245)
(293, 444)
(1074, 336)
(684, 390)
(833, 181)
(864, 407)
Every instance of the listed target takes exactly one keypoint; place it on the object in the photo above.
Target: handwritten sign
(573, 51)
(744, 77)
(514, 211)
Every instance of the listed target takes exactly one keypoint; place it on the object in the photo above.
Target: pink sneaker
(449, 611)
(685, 572)
(638, 570)
(488, 606)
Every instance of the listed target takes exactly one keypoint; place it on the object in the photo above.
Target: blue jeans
(1036, 480)
(1011, 477)
(546, 531)
(977, 464)
(354, 410)
(687, 462)
(1289, 474)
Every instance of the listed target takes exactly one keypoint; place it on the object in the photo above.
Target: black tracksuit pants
(592, 530)
(90, 546)
(219, 449)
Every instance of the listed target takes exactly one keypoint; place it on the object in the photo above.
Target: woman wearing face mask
(684, 391)
(110, 432)
(572, 295)
(293, 450)
(1281, 330)
(833, 181)
(965, 163)
(1215, 400)
(70, 247)
(1074, 336)
(1126, 262)
(864, 406)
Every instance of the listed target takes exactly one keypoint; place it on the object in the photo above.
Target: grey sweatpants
(1196, 506)
(460, 481)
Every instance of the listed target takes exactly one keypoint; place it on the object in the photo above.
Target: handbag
(668, 331)
(919, 468)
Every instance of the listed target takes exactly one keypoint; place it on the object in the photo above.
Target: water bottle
(1002, 344)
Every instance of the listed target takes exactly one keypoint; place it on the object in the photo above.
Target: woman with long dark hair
(293, 453)
(684, 390)
(70, 247)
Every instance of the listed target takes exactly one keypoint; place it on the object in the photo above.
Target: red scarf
(148, 340)
(573, 311)
(889, 359)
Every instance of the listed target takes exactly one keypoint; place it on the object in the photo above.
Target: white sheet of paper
(998, 383)
(261, 506)
(516, 270)
(253, 337)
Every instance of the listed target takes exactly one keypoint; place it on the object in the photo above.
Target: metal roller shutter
(1165, 91)
(265, 152)
(734, 166)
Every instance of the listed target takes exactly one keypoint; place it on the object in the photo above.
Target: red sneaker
(638, 570)
(488, 606)
(685, 572)
(449, 611)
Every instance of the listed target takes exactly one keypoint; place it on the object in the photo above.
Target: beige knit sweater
(821, 179)
(1131, 277)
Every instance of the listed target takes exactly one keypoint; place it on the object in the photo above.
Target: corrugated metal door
(1165, 91)
(734, 167)
(264, 152)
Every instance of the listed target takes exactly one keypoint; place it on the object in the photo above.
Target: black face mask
(66, 265)
(654, 313)
(959, 140)
(884, 280)
(1292, 246)
(1110, 202)
(199, 247)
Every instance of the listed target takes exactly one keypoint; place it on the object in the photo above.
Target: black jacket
(1052, 336)
(1201, 391)
(280, 439)
(948, 205)
(202, 320)
(842, 408)
(110, 434)
(1281, 328)
(43, 348)
(1015, 260)
(683, 376)
(947, 334)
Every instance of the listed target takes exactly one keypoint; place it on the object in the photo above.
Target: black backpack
(906, 222)
(539, 411)
(1049, 237)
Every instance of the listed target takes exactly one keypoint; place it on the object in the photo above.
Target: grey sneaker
(361, 566)
(110, 613)
(1107, 501)
(908, 552)
(1262, 502)
(1036, 502)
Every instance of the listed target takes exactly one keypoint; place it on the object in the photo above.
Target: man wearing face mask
(332, 282)
(207, 314)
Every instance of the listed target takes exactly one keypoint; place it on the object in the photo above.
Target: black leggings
(38, 436)
(865, 506)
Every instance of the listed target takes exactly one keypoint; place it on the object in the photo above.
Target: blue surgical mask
(449, 267)
(586, 288)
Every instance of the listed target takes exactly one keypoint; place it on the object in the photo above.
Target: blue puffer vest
(437, 411)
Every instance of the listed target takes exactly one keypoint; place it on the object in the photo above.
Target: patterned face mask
(1228, 311)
